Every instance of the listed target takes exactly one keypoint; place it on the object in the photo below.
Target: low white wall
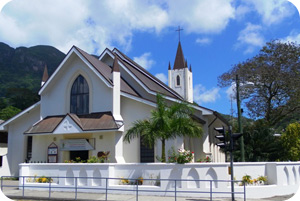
(283, 177)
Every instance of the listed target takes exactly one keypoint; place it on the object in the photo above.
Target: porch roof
(86, 122)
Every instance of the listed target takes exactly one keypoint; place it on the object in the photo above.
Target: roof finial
(179, 29)
(45, 75)
(169, 68)
(115, 67)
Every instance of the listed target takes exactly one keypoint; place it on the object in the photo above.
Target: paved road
(16, 194)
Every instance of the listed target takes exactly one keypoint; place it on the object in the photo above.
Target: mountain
(21, 70)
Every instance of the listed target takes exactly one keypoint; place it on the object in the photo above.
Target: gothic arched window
(178, 80)
(79, 96)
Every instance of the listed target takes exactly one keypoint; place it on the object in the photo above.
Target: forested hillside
(21, 71)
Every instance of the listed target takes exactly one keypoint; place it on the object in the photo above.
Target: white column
(117, 96)
(119, 147)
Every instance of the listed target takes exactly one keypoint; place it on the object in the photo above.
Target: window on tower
(178, 80)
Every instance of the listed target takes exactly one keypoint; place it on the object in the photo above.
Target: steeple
(181, 77)
(169, 68)
(179, 59)
(45, 76)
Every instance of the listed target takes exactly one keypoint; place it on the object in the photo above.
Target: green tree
(291, 142)
(271, 80)
(9, 112)
(166, 122)
(21, 97)
(260, 143)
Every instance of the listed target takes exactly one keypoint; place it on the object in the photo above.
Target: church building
(87, 105)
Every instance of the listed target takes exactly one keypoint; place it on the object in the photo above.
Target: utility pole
(240, 118)
(231, 163)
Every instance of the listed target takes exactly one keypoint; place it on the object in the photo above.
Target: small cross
(67, 125)
(179, 32)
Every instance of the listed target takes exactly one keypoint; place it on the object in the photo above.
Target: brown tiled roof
(179, 62)
(88, 122)
(47, 125)
(101, 67)
(97, 121)
(147, 78)
(105, 71)
(125, 87)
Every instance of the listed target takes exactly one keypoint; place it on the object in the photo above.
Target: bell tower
(181, 77)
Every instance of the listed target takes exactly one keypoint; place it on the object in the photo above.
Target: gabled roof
(150, 81)
(100, 66)
(179, 62)
(87, 122)
(103, 69)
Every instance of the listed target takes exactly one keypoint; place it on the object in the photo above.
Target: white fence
(283, 177)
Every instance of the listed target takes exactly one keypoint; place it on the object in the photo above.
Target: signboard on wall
(75, 145)
(52, 153)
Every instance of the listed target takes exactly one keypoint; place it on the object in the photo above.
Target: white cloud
(91, 25)
(272, 11)
(206, 16)
(241, 11)
(162, 77)
(202, 95)
(203, 41)
(293, 37)
(94, 25)
(251, 37)
(231, 91)
(144, 60)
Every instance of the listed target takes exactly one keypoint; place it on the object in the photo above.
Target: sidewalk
(16, 194)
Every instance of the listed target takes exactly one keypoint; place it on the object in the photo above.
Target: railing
(135, 184)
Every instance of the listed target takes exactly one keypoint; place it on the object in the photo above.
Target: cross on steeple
(179, 29)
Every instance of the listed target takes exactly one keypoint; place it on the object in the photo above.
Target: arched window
(80, 96)
(178, 80)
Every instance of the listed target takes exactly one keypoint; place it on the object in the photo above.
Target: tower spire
(179, 62)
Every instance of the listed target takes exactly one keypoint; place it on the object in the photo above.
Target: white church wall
(40, 144)
(105, 141)
(132, 111)
(17, 141)
(56, 98)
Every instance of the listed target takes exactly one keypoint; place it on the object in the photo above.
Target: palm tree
(166, 122)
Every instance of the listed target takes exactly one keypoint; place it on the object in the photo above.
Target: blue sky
(217, 33)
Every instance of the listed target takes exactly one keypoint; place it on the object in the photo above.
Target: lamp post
(240, 118)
